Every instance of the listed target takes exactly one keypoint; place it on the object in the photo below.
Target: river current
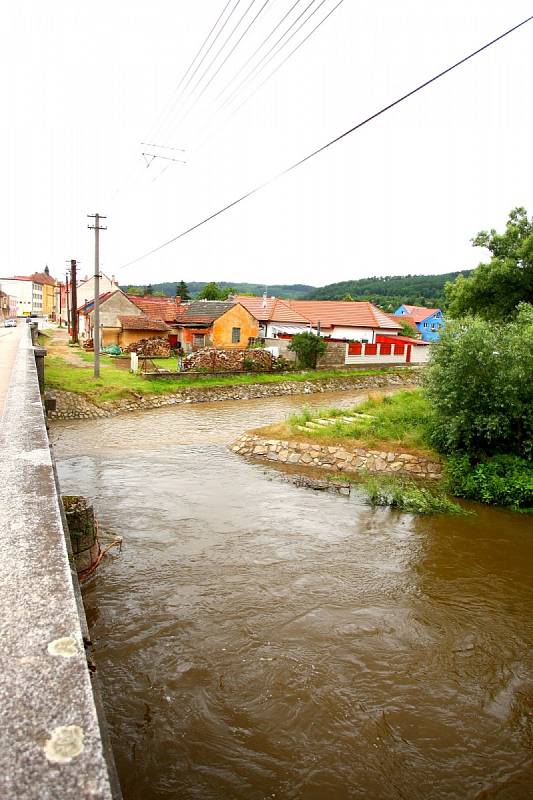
(260, 640)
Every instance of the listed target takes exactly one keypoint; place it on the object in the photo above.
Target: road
(9, 343)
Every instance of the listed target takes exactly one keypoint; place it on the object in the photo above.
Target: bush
(480, 384)
(501, 480)
(308, 347)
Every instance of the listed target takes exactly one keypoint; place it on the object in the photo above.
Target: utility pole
(96, 331)
(67, 303)
(74, 300)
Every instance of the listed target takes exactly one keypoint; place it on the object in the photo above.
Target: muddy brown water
(259, 640)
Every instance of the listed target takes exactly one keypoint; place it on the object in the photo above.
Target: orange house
(213, 323)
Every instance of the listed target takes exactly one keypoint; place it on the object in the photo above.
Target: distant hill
(294, 291)
(391, 290)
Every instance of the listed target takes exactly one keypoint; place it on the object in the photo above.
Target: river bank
(72, 405)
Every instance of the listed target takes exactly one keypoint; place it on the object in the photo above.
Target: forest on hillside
(294, 291)
(391, 290)
(388, 291)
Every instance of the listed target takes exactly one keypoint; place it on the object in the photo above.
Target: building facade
(429, 321)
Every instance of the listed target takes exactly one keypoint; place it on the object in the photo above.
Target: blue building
(429, 321)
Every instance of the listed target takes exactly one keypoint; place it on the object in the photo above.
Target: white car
(10, 323)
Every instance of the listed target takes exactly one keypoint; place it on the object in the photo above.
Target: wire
(258, 88)
(181, 95)
(337, 139)
(212, 78)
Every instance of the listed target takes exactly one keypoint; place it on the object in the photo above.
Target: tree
(308, 348)
(347, 298)
(182, 290)
(148, 289)
(479, 382)
(211, 292)
(495, 289)
(407, 329)
(136, 291)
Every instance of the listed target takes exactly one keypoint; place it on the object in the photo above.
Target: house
(140, 326)
(166, 309)
(8, 306)
(28, 295)
(85, 288)
(346, 320)
(429, 321)
(111, 306)
(274, 316)
(221, 324)
(49, 292)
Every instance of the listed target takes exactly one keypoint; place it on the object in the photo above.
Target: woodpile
(153, 348)
(210, 359)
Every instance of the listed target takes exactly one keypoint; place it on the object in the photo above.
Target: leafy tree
(308, 348)
(136, 291)
(149, 289)
(211, 292)
(407, 329)
(495, 289)
(348, 298)
(480, 384)
(182, 290)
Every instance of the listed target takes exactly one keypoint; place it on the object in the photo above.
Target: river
(259, 640)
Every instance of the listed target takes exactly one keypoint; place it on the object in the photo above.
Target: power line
(271, 75)
(161, 117)
(191, 77)
(337, 139)
(213, 60)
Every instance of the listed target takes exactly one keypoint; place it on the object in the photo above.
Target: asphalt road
(9, 344)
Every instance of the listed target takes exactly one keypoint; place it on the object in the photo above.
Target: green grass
(118, 382)
(408, 496)
(400, 419)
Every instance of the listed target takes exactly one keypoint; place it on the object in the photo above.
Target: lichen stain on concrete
(66, 647)
(65, 744)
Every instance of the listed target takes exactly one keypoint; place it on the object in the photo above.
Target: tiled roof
(42, 277)
(164, 308)
(141, 323)
(405, 317)
(270, 310)
(204, 311)
(352, 314)
(419, 313)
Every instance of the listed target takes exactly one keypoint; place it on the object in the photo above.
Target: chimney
(264, 303)
(178, 299)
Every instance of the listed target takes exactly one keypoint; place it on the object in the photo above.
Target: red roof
(141, 323)
(271, 309)
(350, 314)
(164, 308)
(382, 338)
(418, 313)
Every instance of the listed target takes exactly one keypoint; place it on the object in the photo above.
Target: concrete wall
(52, 744)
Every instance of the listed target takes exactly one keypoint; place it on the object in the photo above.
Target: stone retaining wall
(337, 458)
(74, 406)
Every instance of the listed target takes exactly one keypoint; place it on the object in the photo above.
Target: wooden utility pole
(74, 300)
(96, 328)
(67, 303)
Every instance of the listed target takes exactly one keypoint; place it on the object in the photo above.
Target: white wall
(419, 355)
(23, 292)
(85, 291)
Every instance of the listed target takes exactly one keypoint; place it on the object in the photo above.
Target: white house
(27, 293)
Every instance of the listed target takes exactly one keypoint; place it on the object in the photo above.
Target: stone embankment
(347, 459)
(75, 406)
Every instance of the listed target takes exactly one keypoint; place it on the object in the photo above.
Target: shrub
(480, 384)
(409, 496)
(504, 480)
(308, 347)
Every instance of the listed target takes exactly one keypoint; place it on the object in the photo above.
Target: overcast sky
(83, 84)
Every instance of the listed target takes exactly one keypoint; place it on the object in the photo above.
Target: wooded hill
(388, 291)
(391, 290)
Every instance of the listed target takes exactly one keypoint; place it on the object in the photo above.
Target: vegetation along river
(259, 640)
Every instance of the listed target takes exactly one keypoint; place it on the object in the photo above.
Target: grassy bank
(117, 382)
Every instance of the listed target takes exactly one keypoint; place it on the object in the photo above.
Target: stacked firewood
(211, 359)
(152, 348)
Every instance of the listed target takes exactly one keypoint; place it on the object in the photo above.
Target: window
(235, 335)
(198, 339)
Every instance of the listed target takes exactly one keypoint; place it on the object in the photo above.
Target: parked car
(10, 323)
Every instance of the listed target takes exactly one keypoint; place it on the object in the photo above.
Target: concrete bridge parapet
(52, 743)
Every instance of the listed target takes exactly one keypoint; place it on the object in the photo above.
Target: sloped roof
(405, 317)
(204, 312)
(164, 308)
(42, 277)
(142, 323)
(88, 307)
(419, 313)
(270, 310)
(348, 314)
(384, 338)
